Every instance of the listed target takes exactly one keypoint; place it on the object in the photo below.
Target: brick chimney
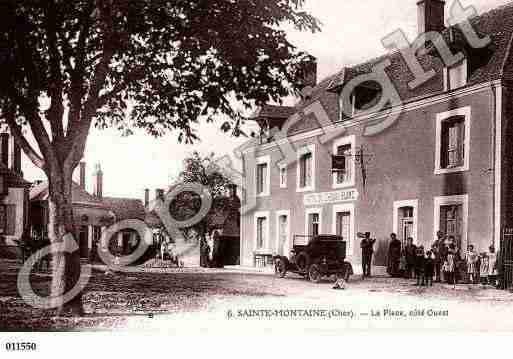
(4, 148)
(82, 175)
(159, 193)
(431, 15)
(308, 73)
(98, 181)
(146, 198)
(16, 157)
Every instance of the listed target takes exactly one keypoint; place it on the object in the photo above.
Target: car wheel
(280, 268)
(302, 262)
(314, 273)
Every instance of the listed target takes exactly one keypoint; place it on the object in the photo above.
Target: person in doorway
(410, 253)
(471, 258)
(367, 246)
(440, 252)
(429, 268)
(449, 264)
(420, 266)
(394, 255)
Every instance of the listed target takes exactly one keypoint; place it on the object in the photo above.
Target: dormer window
(456, 76)
(364, 97)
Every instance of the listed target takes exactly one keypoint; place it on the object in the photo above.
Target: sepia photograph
(228, 167)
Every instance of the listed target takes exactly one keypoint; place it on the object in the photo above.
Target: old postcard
(275, 166)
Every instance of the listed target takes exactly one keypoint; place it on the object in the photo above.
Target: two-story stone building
(14, 197)
(444, 164)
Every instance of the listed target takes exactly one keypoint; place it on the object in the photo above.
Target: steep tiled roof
(497, 23)
(39, 192)
(272, 111)
(125, 208)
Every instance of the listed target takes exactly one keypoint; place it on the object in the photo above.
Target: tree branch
(10, 119)
(77, 77)
(55, 90)
(29, 105)
(78, 132)
(134, 75)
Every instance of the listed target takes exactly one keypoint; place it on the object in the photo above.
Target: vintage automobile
(315, 257)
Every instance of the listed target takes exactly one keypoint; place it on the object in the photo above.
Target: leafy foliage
(168, 63)
(205, 171)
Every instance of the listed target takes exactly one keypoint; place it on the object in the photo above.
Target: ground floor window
(283, 232)
(313, 221)
(405, 220)
(451, 218)
(344, 224)
(451, 222)
(261, 230)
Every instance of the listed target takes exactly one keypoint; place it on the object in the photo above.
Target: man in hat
(439, 249)
(367, 246)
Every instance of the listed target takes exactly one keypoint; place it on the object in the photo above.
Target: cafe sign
(314, 199)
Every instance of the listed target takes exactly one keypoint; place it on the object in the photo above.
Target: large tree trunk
(65, 266)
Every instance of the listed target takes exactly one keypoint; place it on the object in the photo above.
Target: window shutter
(444, 152)
(308, 179)
(461, 141)
(10, 227)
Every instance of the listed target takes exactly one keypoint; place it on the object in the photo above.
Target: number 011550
(20, 346)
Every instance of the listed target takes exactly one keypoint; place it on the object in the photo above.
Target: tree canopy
(166, 63)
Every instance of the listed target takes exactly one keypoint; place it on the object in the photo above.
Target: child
(448, 267)
(419, 266)
(429, 268)
(471, 258)
(484, 268)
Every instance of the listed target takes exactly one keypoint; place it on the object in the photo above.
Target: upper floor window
(343, 164)
(456, 76)
(453, 143)
(262, 179)
(261, 232)
(283, 177)
(306, 168)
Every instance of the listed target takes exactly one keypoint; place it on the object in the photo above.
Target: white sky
(351, 33)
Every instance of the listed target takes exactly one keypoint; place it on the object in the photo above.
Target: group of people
(443, 262)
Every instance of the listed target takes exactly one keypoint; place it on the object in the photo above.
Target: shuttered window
(305, 170)
(261, 178)
(453, 142)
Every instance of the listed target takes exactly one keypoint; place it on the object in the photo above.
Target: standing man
(440, 253)
(410, 253)
(394, 255)
(367, 246)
